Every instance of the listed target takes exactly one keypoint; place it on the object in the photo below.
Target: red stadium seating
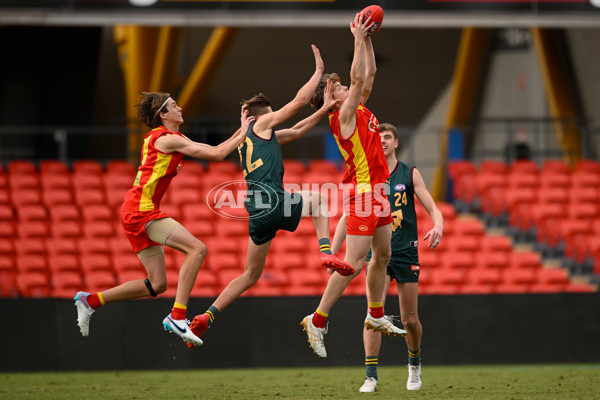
(33, 284)
(66, 284)
(21, 167)
(54, 167)
(98, 281)
(88, 167)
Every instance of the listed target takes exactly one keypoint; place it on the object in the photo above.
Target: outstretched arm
(435, 234)
(357, 76)
(271, 120)
(176, 143)
(302, 127)
(371, 69)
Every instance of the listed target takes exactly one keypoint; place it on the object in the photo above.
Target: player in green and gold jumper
(405, 181)
(269, 206)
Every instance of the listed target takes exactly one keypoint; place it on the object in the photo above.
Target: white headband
(161, 107)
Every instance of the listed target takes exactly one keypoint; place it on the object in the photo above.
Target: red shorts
(366, 212)
(134, 223)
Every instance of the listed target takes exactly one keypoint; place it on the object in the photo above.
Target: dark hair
(149, 107)
(317, 99)
(257, 105)
(391, 128)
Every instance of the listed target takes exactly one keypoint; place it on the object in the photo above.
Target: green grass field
(580, 381)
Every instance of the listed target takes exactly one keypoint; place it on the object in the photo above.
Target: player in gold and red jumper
(369, 221)
(147, 227)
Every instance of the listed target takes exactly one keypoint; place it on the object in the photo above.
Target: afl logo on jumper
(400, 187)
(363, 228)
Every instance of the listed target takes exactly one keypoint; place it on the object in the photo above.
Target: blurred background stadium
(496, 103)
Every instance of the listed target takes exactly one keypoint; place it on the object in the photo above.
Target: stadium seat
(21, 197)
(65, 229)
(62, 246)
(525, 260)
(115, 197)
(98, 229)
(32, 213)
(324, 167)
(294, 167)
(95, 262)
(33, 285)
(172, 280)
(226, 276)
(64, 213)
(580, 288)
(55, 197)
(33, 229)
(467, 243)
(524, 167)
(7, 231)
(120, 246)
(30, 246)
(457, 168)
(493, 243)
(454, 276)
(231, 229)
(225, 167)
(585, 179)
(524, 276)
(98, 281)
(579, 195)
(206, 284)
(583, 211)
(63, 263)
(469, 227)
(306, 282)
(489, 276)
(54, 167)
(117, 181)
(592, 166)
(183, 196)
(492, 259)
(90, 245)
(476, 288)
(520, 180)
(23, 181)
(130, 275)
(494, 166)
(86, 181)
(8, 279)
(51, 182)
(511, 288)
(7, 249)
(186, 181)
(126, 262)
(87, 167)
(553, 195)
(66, 284)
(87, 196)
(197, 212)
(120, 167)
(97, 212)
(443, 289)
(554, 180)
(200, 229)
(21, 167)
(556, 166)
(31, 263)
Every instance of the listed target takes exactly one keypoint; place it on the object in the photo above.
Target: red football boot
(199, 326)
(340, 266)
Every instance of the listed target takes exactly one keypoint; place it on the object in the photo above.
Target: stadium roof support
(560, 101)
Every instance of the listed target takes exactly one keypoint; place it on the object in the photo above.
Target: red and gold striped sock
(319, 319)
(95, 300)
(376, 309)
(178, 311)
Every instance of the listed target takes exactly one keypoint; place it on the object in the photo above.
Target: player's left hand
(328, 102)
(319, 64)
(434, 236)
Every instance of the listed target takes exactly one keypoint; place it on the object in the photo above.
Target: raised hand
(319, 65)
(360, 29)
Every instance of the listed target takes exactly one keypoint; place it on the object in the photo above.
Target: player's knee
(410, 322)
(198, 249)
(382, 256)
(156, 285)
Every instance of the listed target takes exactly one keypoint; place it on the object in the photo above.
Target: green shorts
(402, 271)
(286, 215)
